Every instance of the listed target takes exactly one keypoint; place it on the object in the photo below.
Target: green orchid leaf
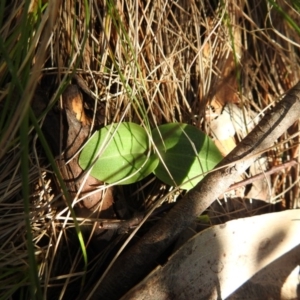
(184, 152)
(118, 152)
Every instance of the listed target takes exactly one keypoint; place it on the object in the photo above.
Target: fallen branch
(140, 259)
(263, 175)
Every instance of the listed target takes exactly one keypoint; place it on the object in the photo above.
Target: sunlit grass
(145, 62)
(24, 43)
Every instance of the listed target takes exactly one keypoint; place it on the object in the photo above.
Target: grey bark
(138, 261)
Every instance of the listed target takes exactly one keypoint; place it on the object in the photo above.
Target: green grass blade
(35, 288)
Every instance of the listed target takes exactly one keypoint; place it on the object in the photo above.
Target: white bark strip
(218, 260)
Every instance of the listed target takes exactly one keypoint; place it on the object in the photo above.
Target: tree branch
(137, 261)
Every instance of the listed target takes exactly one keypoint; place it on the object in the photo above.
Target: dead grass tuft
(150, 62)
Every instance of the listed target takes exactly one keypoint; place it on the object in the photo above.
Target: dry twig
(133, 265)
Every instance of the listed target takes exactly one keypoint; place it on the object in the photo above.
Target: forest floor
(68, 69)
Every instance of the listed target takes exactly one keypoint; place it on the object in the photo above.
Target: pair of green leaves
(123, 153)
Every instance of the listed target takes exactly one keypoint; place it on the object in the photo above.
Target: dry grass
(150, 62)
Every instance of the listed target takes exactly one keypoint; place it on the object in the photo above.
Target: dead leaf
(260, 189)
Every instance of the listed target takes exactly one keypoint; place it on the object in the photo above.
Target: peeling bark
(75, 131)
(77, 135)
(214, 263)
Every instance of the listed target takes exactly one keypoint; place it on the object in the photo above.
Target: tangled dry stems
(165, 61)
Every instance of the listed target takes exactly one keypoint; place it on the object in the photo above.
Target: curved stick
(137, 261)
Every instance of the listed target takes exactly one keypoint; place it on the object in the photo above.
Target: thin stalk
(35, 288)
